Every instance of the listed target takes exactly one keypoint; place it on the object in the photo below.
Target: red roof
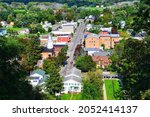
(104, 60)
(63, 39)
(103, 32)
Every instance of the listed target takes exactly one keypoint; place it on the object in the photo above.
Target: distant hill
(70, 2)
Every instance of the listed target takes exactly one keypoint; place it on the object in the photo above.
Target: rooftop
(38, 71)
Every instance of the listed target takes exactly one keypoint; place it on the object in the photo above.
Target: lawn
(20, 11)
(71, 97)
(14, 29)
(112, 86)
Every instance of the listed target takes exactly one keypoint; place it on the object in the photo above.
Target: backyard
(112, 87)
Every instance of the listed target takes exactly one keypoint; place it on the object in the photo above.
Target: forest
(71, 2)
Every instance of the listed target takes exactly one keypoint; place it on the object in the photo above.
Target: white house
(88, 27)
(3, 23)
(73, 81)
(24, 31)
(37, 77)
(46, 25)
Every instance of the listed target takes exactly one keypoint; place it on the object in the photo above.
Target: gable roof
(74, 74)
(38, 71)
(77, 79)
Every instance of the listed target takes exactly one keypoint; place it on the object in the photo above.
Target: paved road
(77, 39)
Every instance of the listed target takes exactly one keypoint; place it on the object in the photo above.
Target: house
(3, 23)
(101, 61)
(11, 24)
(88, 27)
(3, 32)
(46, 25)
(90, 18)
(122, 23)
(73, 81)
(106, 29)
(24, 31)
(37, 77)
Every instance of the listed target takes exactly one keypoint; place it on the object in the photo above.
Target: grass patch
(20, 11)
(14, 29)
(71, 97)
(112, 87)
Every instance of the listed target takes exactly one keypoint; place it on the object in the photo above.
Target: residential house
(24, 31)
(101, 61)
(88, 27)
(46, 25)
(37, 77)
(11, 24)
(73, 81)
(90, 18)
(3, 32)
(106, 29)
(3, 23)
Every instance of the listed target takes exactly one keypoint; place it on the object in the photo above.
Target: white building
(37, 77)
(88, 27)
(73, 81)
(46, 25)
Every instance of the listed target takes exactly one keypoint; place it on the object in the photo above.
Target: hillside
(71, 2)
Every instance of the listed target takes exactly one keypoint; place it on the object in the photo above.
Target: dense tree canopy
(132, 61)
(85, 63)
(142, 19)
(54, 82)
(13, 83)
(92, 86)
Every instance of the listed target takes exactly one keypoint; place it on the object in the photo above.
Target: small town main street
(77, 39)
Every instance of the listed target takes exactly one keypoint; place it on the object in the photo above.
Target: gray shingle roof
(91, 49)
(74, 74)
(38, 71)
(72, 77)
(101, 53)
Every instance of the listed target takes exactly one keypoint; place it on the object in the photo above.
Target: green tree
(85, 63)
(31, 52)
(54, 82)
(61, 58)
(13, 82)
(131, 60)
(92, 86)
(141, 21)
